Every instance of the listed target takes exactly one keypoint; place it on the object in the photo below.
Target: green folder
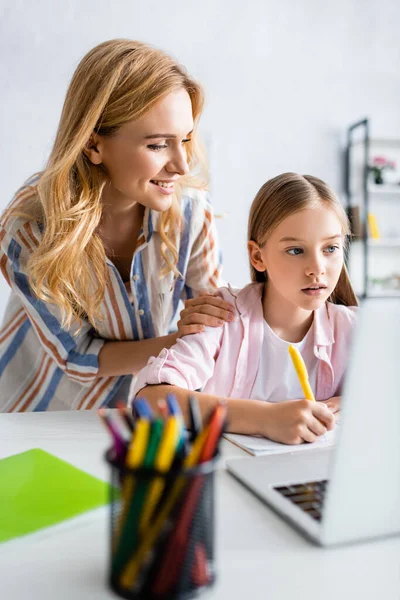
(38, 490)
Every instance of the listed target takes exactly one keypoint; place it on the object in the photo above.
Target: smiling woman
(99, 248)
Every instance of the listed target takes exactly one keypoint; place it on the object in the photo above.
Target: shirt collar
(151, 223)
(248, 300)
(323, 330)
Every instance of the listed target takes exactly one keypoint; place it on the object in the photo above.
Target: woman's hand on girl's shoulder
(206, 310)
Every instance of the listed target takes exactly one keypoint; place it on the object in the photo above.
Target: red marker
(200, 573)
(177, 545)
(126, 415)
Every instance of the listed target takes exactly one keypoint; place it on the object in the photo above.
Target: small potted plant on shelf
(378, 165)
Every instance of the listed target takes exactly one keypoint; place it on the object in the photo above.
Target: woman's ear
(256, 257)
(92, 149)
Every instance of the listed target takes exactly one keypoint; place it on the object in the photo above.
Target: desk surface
(259, 556)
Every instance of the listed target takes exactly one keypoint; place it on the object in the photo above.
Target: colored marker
(126, 415)
(163, 461)
(196, 421)
(119, 443)
(142, 408)
(178, 542)
(132, 569)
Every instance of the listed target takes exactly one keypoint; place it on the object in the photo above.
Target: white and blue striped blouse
(45, 367)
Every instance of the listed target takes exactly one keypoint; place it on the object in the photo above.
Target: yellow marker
(163, 461)
(138, 445)
(134, 458)
(373, 226)
(301, 371)
(132, 569)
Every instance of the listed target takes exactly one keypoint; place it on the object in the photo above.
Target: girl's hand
(296, 421)
(205, 310)
(333, 404)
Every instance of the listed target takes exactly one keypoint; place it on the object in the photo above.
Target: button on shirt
(276, 377)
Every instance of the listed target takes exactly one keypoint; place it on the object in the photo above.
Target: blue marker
(175, 411)
(173, 405)
(143, 409)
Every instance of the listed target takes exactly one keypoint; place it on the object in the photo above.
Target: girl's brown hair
(116, 82)
(285, 195)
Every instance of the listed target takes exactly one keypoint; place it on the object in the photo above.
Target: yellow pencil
(163, 461)
(131, 570)
(134, 458)
(301, 371)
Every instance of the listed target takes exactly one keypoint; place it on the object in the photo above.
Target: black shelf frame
(364, 126)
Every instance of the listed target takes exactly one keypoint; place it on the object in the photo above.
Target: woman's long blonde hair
(285, 195)
(116, 82)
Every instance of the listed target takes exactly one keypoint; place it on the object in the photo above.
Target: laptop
(350, 492)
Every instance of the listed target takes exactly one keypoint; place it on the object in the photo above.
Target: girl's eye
(186, 141)
(295, 251)
(331, 249)
(156, 147)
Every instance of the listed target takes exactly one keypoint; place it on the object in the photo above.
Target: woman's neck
(287, 321)
(119, 229)
(117, 206)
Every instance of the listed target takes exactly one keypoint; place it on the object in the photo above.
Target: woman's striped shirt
(45, 367)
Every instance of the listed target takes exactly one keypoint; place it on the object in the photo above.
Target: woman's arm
(290, 422)
(83, 357)
(127, 358)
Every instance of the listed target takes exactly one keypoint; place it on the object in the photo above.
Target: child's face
(303, 257)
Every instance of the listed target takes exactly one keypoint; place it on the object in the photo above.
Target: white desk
(259, 557)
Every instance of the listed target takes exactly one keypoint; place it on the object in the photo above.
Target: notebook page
(259, 446)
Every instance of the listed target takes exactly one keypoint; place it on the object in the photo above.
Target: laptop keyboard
(307, 496)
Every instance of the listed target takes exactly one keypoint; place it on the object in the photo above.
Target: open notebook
(259, 446)
(38, 490)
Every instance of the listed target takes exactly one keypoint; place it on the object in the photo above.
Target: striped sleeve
(205, 263)
(75, 355)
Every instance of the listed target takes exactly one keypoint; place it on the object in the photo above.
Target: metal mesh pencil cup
(161, 549)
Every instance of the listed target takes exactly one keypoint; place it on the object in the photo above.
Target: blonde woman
(300, 295)
(99, 247)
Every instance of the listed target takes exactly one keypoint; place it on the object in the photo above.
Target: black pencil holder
(162, 531)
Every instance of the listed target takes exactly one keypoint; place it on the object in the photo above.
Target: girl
(99, 248)
(300, 295)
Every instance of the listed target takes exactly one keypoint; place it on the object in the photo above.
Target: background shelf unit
(371, 260)
(384, 243)
(390, 189)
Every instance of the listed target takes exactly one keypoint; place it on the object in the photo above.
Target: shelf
(385, 242)
(383, 141)
(365, 257)
(381, 242)
(384, 189)
(384, 293)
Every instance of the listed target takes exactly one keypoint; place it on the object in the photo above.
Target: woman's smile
(165, 187)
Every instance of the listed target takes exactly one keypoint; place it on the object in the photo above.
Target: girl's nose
(316, 267)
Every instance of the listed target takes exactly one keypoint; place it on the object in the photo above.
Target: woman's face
(303, 257)
(145, 158)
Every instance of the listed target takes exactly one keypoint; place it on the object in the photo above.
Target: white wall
(283, 80)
